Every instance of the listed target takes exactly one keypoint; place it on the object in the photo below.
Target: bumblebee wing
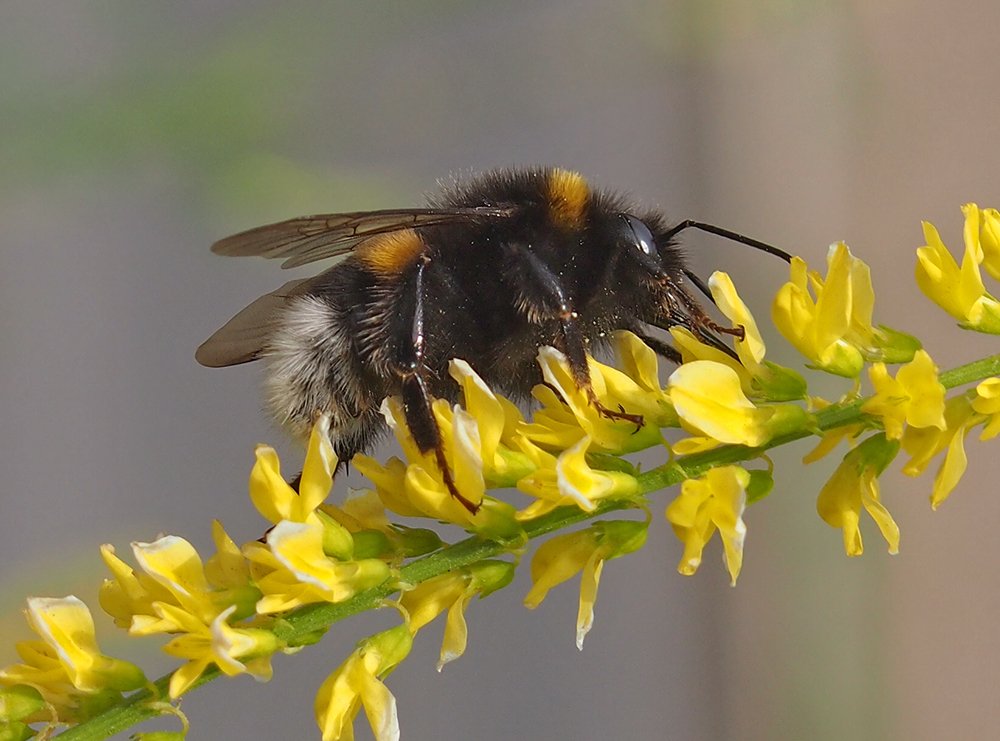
(244, 337)
(310, 238)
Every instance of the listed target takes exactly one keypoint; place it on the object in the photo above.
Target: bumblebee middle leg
(541, 297)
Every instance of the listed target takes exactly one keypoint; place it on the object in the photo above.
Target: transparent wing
(244, 337)
(310, 238)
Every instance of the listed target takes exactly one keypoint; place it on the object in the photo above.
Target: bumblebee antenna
(720, 232)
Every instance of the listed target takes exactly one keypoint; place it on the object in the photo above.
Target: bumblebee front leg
(413, 373)
(660, 347)
(541, 297)
(681, 310)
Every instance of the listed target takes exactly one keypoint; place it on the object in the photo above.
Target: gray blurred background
(133, 135)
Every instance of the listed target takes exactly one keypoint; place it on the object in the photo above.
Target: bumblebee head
(639, 250)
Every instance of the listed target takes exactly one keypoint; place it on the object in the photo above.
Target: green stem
(977, 370)
(312, 618)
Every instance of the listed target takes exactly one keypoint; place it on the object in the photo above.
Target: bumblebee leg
(681, 310)
(660, 347)
(701, 323)
(423, 426)
(575, 349)
(700, 284)
(417, 398)
(542, 297)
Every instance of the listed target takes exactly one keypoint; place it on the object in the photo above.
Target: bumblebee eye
(639, 236)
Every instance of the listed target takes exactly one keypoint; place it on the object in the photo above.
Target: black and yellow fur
(493, 269)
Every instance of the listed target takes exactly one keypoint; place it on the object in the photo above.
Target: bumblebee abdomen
(315, 364)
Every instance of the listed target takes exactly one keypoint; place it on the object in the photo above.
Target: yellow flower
(360, 511)
(759, 379)
(691, 349)
(568, 479)
(293, 570)
(363, 514)
(771, 382)
(924, 444)
(637, 385)
(175, 593)
(358, 683)
(498, 421)
(390, 484)
(958, 290)
(227, 568)
(751, 348)
(417, 489)
(714, 502)
(830, 440)
(173, 575)
(709, 399)
(478, 448)
(567, 414)
(128, 593)
(452, 591)
(855, 485)
(818, 329)
(639, 363)
(67, 665)
(915, 397)
(835, 330)
(271, 494)
(563, 556)
(233, 650)
(989, 238)
(175, 565)
(987, 403)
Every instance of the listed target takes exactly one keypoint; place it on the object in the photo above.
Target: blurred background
(134, 135)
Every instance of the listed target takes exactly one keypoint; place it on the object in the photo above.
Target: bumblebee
(490, 271)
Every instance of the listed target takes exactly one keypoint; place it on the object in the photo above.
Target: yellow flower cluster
(216, 611)
(63, 676)
(174, 594)
(979, 407)
(490, 445)
(834, 330)
(231, 611)
(959, 290)
(912, 408)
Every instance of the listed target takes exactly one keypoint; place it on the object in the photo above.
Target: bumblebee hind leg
(423, 426)
(410, 366)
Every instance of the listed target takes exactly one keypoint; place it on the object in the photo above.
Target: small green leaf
(761, 484)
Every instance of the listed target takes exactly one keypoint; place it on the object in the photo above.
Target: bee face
(493, 269)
